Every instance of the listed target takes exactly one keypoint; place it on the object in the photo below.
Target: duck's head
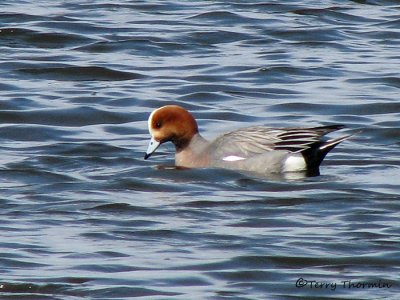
(170, 123)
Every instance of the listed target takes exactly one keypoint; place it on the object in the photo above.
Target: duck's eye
(158, 125)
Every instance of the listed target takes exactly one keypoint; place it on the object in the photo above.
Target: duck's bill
(153, 145)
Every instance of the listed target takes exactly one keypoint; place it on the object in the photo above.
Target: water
(84, 216)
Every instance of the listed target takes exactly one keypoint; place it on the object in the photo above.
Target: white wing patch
(232, 158)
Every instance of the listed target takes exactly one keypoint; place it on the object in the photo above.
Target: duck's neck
(194, 154)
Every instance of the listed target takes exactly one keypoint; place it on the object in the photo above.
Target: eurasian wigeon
(256, 149)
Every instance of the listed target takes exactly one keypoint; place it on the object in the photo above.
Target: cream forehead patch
(149, 121)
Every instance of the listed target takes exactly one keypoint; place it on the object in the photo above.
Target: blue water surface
(83, 216)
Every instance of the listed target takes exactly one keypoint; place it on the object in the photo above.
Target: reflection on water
(84, 216)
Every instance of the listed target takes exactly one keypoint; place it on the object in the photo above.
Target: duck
(257, 149)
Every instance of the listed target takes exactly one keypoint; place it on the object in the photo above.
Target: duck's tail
(316, 154)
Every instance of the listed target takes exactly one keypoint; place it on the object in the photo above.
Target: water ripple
(79, 73)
